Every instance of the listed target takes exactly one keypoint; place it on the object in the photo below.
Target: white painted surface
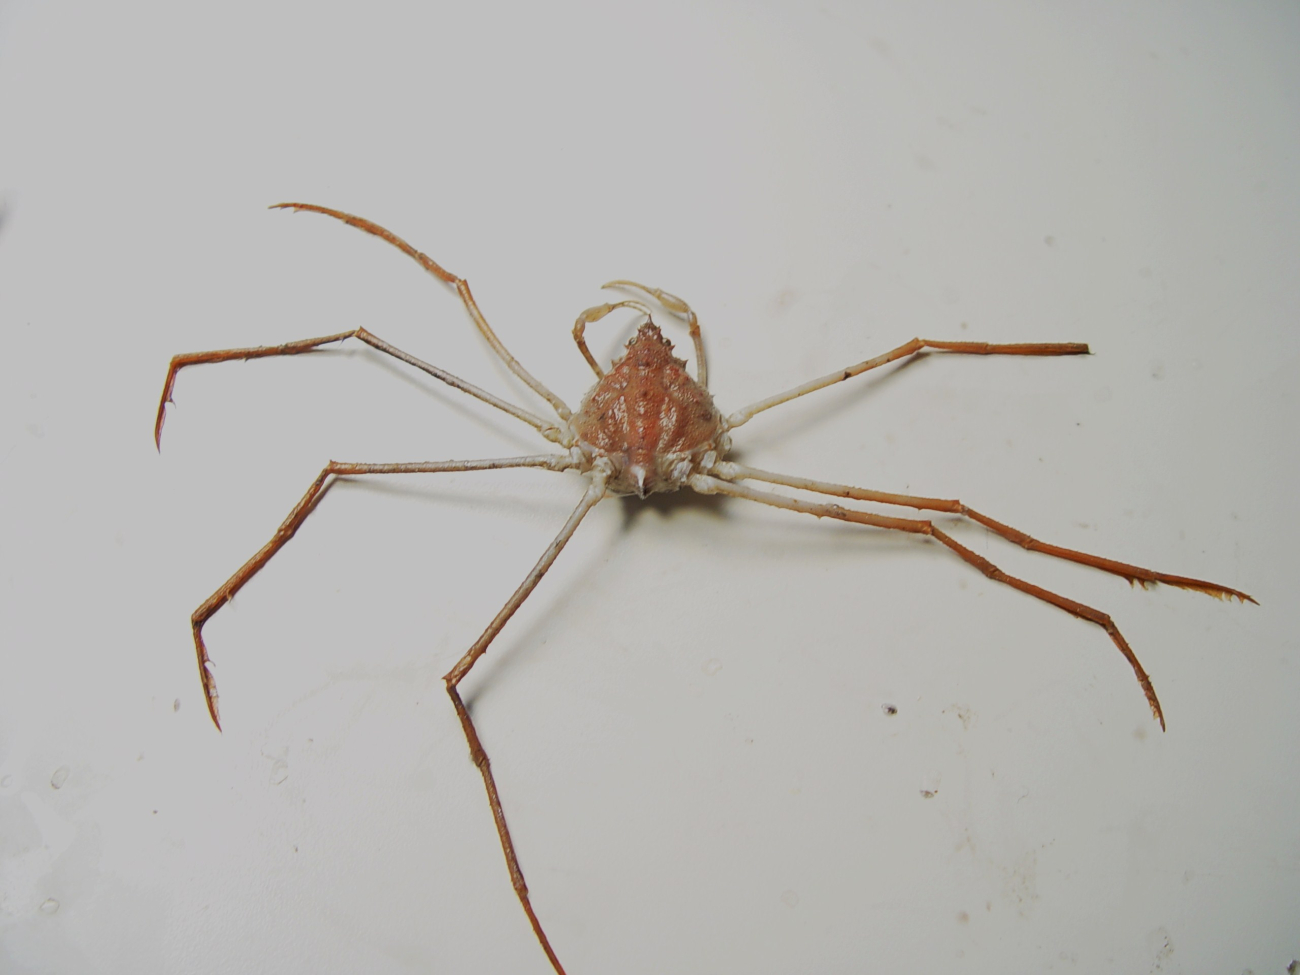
(687, 720)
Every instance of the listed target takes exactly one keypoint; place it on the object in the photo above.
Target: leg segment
(1133, 573)
(179, 362)
(462, 289)
(904, 350)
(710, 485)
(683, 311)
(595, 314)
(477, 753)
(555, 462)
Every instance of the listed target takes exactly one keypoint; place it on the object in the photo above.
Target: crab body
(650, 418)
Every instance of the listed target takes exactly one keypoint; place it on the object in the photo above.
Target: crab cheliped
(647, 426)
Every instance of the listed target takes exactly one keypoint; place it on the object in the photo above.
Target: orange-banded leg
(1133, 573)
(549, 430)
(904, 350)
(713, 485)
(459, 283)
(478, 754)
(305, 506)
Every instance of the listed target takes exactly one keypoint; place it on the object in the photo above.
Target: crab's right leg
(549, 430)
(554, 462)
(462, 289)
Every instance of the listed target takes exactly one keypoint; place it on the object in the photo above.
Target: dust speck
(1049, 240)
(711, 666)
(59, 777)
(1163, 946)
(279, 771)
(789, 898)
(6, 782)
(785, 298)
(964, 714)
(929, 793)
(889, 709)
(176, 704)
(49, 905)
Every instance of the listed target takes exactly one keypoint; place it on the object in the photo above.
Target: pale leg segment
(712, 485)
(549, 430)
(286, 531)
(1133, 573)
(477, 753)
(904, 350)
(595, 314)
(462, 289)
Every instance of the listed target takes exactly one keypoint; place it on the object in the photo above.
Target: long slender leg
(904, 350)
(549, 430)
(712, 485)
(462, 289)
(555, 462)
(683, 311)
(595, 314)
(594, 493)
(1133, 573)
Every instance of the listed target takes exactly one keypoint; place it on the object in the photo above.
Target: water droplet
(712, 666)
(6, 782)
(49, 905)
(59, 777)
(789, 898)
(279, 771)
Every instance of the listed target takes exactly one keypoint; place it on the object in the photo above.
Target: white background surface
(686, 720)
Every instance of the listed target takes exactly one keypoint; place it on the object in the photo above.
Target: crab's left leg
(713, 485)
(1133, 573)
(595, 492)
(902, 352)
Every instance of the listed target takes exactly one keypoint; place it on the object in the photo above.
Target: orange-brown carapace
(654, 422)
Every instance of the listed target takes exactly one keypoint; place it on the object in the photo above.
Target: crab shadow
(797, 535)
